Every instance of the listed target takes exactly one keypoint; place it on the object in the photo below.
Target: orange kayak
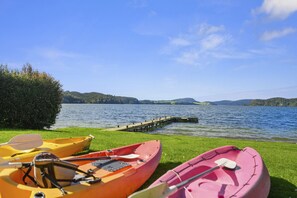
(61, 147)
(113, 173)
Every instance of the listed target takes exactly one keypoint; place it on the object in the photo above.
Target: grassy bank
(280, 158)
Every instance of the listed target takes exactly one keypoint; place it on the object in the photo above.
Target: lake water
(267, 123)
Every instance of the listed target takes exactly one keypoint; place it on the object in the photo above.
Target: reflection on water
(277, 123)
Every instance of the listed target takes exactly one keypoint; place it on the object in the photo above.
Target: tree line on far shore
(280, 102)
(99, 98)
(96, 98)
(75, 97)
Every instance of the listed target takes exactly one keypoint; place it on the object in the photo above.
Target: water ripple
(275, 123)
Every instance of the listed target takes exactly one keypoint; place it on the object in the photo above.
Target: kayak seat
(51, 172)
(48, 167)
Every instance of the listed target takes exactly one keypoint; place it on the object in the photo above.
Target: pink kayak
(249, 178)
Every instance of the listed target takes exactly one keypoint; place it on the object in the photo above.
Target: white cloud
(152, 13)
(278, 9)
(205, 29)
(189, 58)
(198, 45)
(180, 42)
(55, 54)
(138, 3)
(267, 51)
(270, 35)
(230, 54)
(213, 41)
(55, 57)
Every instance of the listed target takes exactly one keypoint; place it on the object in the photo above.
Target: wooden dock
(154, 124)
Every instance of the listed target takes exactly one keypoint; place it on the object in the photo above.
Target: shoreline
(274, 139)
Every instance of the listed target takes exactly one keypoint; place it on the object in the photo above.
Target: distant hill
(96, 98)
(244, 102)
(99, 98)
(275, 102)
(258, 102)
(184, 101)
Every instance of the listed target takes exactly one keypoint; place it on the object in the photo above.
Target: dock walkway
(153, 124)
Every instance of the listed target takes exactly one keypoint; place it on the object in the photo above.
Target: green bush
(28, 99)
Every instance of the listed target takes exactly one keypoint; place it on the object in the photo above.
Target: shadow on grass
(161, 170)
(282, 188)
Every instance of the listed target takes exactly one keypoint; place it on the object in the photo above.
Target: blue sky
(150, 49)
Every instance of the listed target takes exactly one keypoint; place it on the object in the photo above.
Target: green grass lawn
(279, 157)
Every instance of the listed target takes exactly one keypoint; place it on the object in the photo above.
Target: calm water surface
(272, 123)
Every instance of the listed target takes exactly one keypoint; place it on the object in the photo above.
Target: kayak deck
(118, 182)
(61, 147)
(249, 179)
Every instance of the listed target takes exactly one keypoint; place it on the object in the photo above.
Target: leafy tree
(29, 98)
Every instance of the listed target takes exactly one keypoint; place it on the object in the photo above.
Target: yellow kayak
(61, 147)
(112, 173)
